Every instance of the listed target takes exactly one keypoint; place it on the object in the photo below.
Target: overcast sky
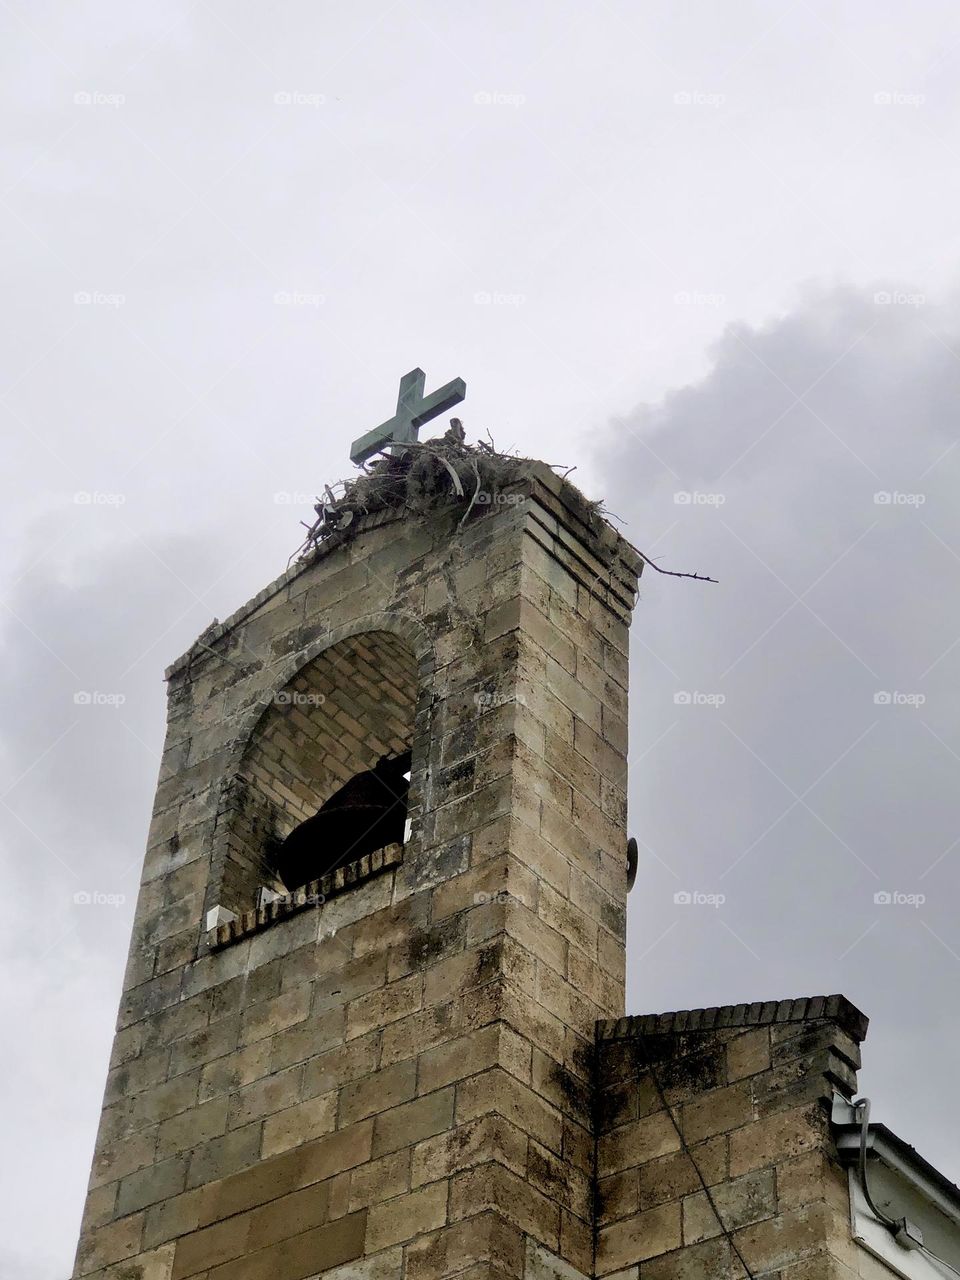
(707, 252)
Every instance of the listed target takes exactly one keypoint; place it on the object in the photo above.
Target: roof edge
(835, 1008)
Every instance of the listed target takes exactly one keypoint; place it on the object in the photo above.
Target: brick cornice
(836, 1008)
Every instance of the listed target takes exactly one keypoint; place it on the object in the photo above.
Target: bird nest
(430, 474)
(418, 476)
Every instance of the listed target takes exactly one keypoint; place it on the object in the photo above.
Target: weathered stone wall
(748, 1087)
(399, 1079)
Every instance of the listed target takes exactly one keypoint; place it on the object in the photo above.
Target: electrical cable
(943, 1262)
(696, 1168)
(863, 1105)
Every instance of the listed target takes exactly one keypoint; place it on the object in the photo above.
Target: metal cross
(413, 410)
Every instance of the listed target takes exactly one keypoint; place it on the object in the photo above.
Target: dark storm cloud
(796, 729)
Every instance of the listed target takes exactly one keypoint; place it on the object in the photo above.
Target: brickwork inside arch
(352, 704)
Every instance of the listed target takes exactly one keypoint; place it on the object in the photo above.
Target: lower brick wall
(743, 1108)
(360, 1079)
(403, 1128)
(284, 1221)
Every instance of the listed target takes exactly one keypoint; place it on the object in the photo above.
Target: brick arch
(336, 708)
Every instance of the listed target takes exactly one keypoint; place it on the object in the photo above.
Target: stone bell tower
(388, 1072)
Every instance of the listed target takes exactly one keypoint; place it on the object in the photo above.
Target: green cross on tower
(413, 410)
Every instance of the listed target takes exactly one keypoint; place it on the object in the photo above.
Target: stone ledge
(314, 894)
(762, 1013)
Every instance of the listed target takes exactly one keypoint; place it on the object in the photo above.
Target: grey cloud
(78, 778)
(812, 471)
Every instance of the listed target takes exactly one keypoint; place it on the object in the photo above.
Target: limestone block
(456, 1247)
(479, 1141)
(298, 1124)
(712, 1260)
(673, 1176)
(492, 1186)
(315, 1035)
(562, 1181)
(420, 1031)
(120, 1239)
(618, 1196)
(234, 1070)
(739, 1203)
(381, 1007)
(718, 1111)
(541, 1264)
(634, 1144)
(264, 1097)
(336, 1067)
(378, 1092)
(412, 1121)
(385, 1265)
(777, 1138)
(223, 1156)
(784, 1239)
(406, 1216)
(123, 1156)
(378, 1180)
(497, 1091)
(157, 1264)
(193, 1127)
(748, 1053)
(636, 1239)
(310, 1251)
(173, 1217)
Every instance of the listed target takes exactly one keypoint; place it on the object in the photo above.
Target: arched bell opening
(351, 707)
